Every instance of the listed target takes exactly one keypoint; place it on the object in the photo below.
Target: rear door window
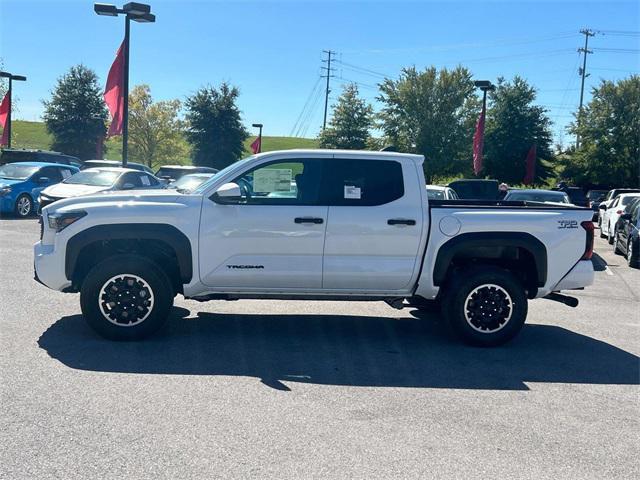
(357, 182)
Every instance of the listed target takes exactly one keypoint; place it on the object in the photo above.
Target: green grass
(34, 135)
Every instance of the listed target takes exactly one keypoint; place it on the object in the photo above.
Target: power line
(304, 108)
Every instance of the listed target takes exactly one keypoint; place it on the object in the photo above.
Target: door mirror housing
(227, 192)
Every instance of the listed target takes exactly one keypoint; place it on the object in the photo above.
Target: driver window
(295, 182)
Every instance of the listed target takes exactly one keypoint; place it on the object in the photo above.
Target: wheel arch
(516, 250)
(155, 241)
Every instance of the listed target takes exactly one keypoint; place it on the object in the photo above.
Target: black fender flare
(169, 234)
(470, 241)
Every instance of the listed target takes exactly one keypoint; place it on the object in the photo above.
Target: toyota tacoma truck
(313, 225)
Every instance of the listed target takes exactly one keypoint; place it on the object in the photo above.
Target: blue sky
(272, 50)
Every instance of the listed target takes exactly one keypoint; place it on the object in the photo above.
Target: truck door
(375, 224)
(273, 236)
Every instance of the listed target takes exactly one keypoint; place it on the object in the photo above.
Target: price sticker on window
(145, 180)
(352, 192)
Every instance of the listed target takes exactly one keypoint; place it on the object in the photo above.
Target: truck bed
(500, 204)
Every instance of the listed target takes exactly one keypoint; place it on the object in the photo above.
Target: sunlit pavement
(309, 389)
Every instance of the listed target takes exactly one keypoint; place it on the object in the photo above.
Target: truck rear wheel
(485, 306)
(126, 297)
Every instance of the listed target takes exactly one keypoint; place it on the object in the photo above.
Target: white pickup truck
(313, 224)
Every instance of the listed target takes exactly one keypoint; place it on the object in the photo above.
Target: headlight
(60, 221)
(4, 191)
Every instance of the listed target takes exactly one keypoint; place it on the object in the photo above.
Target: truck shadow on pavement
(343, 350)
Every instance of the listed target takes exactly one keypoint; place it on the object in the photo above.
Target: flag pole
(125, 107)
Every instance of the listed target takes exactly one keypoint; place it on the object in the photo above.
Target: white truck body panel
(354, 252)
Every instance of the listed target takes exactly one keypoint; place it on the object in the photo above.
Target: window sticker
(351, 192)
(65, 173)
(267, 180)
(145, 180)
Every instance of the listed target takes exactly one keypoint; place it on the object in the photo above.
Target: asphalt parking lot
(268, 389)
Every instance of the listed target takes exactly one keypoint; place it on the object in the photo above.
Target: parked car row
(626, 240)
(27, 187)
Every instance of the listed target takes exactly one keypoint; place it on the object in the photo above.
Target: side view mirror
(44, 180)
(128, 186)
(227, 192)
(602, 207)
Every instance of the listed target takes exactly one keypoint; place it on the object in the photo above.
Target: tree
(76, 114)
(431, 113)
(513, 125)
(609, 152)
(349, 126)
(215, 129)
(155, 132)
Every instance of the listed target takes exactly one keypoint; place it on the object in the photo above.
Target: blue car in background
(21, 183)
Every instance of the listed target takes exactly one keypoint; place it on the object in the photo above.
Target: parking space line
(608, 271)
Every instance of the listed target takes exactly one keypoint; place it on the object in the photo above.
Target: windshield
(433, 194)
(17, 172)
(234, 166)
(94, 178)
(558, 197)
(189, 183)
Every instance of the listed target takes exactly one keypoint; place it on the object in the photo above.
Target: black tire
(616, 244)
(609, 236)
(632, 254)
(470, 324)
(24, 206)
(150, 295)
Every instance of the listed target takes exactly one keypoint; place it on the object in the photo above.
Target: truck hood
(120, 197)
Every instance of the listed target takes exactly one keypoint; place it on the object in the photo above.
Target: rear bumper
(580, 276)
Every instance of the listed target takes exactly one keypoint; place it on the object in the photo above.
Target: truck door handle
(315, 220)
(400, 221)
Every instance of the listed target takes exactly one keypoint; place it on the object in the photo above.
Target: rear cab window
(361, 182)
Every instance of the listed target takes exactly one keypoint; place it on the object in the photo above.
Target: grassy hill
(34, 135)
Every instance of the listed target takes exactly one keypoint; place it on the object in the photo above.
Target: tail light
(619, 212)
(588, 248)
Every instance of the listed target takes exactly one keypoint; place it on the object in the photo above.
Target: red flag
(478, 143)
(114, 93)
(5, 107)
(256, 145)
(530, 165)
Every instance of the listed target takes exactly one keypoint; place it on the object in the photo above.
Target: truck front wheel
(126, 297)
(485, 306)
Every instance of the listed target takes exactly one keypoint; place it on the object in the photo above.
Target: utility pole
(583, 73)
(327, 89)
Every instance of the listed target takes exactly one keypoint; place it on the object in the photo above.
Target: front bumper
(580, 276)
(49, 267)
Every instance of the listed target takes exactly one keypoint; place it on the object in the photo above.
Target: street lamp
(485, 86)
(259, 125)
(138, 12)
(11, 77)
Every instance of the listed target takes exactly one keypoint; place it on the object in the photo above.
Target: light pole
(11, 77)
(138, 12)
(259, 125)
(485, 86)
